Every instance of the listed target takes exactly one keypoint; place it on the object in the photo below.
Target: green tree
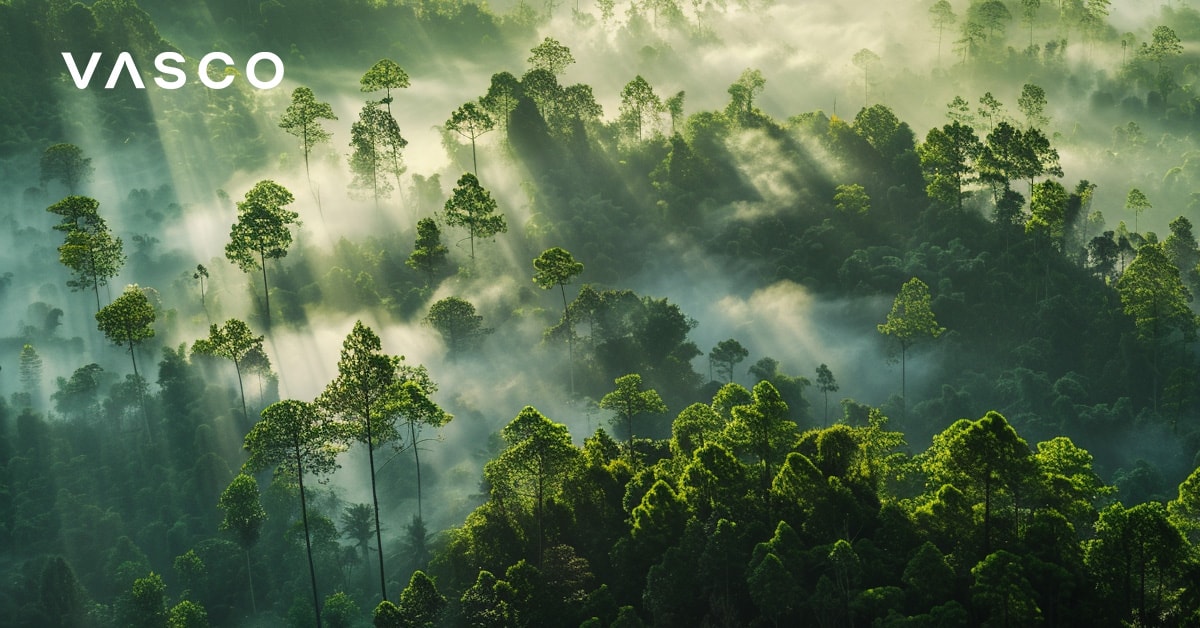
(941, 14)
(1137, 203)
(340, 611)
(293, 438)
(376, 142)
(128, 321)
(947, 159)
(538, 460)
(501, 98)
(992, 15)
(201, 275)
(262, 231)
(550, 56)
(1163, 46)
(455, 319)
(1003, 593)
(984, 459)
(640, 106)
(420, 604)
(557, 267)
(674, 107)
(868, 62)
(303, 119)
(630, 400)
(1153, 295)
(30, 373)
(362, 395)
(66, 164)
(144, 605)
(187, 614)
(1136, 560)
(1032, 103)
(1029, 9)
(727, 355)
(89, 248)
(742, 94)
(826, 384)
(762, 429)
(471, 121)
(418, 411)
(910, 321)
(386, 75)
(232, 341)
(244, 517)
(852, 200)
(471, 206)
(1048, 212)
(428, 253)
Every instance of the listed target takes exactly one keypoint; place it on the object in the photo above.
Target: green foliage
(144, 605)
(420, 605)
(303, 119)
(89, 249)
(629, 400)
(187, 614)
(911, 318)
(339, 611)
(244, 514)
(550, 56)
(472, 207)
(386, 75)
(726, 355)
(128, 319)
(66, 164)
(455, 319)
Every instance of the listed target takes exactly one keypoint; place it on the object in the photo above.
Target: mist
(762, 255)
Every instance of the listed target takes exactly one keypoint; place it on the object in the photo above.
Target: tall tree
(1164, 45)
(1032, 103)
(762, 429)
(742, 94)
(629, 400)
(727, 355)
(472, 206)
(538, 460)
(640, 106)
(1137, 203)
(201, 275)
(262, 231)
(362, 396)
(377, 142)
(428, 253)
(420, 604)
(127, 321)
(867, 61)
(501, 98)
(557, 267)
(1153, 295)
(948, 158)
(910, 321)
(303, 119)
(89, 250)
(456, 320)
(386, 75)
(941, 14)
(66, 164)
(294, 438)
(413, 405)
(551, 56)
(471, 121)
(1029, 9)
(231, 341)
(826, 384)
(244, 517)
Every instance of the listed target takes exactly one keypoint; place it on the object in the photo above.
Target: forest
(610, 313)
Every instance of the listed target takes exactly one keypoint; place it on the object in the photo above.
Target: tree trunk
(375, 503)
(262, 256)
(245, 414)
(312, 572)
(412, 431)
(137, 380)
(250, 581)
(570, 339)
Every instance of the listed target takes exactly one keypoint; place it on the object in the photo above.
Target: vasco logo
(125, 64)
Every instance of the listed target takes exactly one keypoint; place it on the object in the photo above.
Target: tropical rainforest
(604, 313)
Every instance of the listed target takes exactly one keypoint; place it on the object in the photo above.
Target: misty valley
(604, 313)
